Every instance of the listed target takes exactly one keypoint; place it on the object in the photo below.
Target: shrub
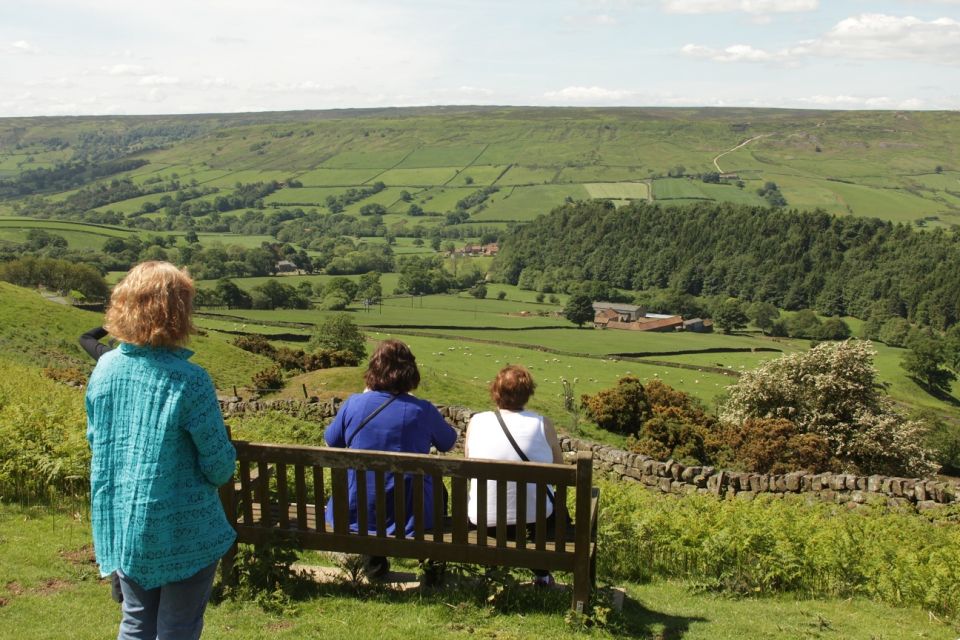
(764, 546)
(339, 333)
(270, 378)
(622, 409)
(326, 358)
(43, 447)
(255, 343)
(290, 359)
(832, 391)
(677, 427)
(776, 445)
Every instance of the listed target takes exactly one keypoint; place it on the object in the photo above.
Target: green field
(845, 162)
(619, 190)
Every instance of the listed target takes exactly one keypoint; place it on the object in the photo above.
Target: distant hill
(37, 332)
(898, 166)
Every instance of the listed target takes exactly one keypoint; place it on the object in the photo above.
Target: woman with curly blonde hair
(160, 451)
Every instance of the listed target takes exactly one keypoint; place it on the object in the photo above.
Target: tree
(478, 290)
(370, 289)
(231, 295)
(804, 324)
(339, 333)
(832, 391)
(501, 295)
(926, 362)
(191, 237)
(729, 315)
(763, 315)
(579, 309)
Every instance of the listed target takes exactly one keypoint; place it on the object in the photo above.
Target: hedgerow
(765, 546)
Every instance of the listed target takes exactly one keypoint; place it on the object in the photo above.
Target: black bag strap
(366, 420)
(516, 447)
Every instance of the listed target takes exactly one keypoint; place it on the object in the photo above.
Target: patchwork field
(896, 166)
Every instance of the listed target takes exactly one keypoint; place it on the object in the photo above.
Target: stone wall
(673, 477)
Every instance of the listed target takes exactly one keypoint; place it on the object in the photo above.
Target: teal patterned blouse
(160, 451)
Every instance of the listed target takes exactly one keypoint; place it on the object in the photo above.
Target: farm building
(698, 325)
(617, 311)
(285, 266)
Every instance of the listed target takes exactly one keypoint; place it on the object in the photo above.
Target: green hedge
(765, 546)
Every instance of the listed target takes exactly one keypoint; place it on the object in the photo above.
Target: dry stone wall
(676, 478)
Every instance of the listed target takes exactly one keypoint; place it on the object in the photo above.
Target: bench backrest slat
(481, 511)
(560, 504)
(521, 493)
(341, 501)
(263, 479)
(319, 500)
(438, 510)
(300, 483)
(282, 498)
(380, 491)
(399, 505)
(541, 531)
(419, 515)
(246, 487)
(458, 504)
(362, 497)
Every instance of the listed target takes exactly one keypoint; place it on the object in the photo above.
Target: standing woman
(533, 438)
(160, 451)
(385, 417)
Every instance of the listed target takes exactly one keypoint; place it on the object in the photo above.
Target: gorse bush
(43, 448)
(766, 546)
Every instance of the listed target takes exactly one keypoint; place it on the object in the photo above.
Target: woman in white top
(534, 435)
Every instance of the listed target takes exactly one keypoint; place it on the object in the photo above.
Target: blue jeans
(174, 610)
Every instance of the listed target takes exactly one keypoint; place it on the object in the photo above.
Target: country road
(716, 161)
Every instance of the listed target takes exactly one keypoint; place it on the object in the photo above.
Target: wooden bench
(281, 493)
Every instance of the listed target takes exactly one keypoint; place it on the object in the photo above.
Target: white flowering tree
(832, 391)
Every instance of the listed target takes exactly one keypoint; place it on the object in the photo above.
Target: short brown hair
(152, 306)
(512, 387)
(392, 368)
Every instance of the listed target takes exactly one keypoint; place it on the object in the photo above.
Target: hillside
(492, 165)
(40, 333)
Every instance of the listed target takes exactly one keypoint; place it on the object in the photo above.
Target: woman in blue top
(385, 417)
(160, 451)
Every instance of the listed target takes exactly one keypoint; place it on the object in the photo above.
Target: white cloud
(861, 102)
(153, 80)
(734, 53)
(738, 6)
(125, 70)
(882, 37)
(474, 91)
(863, 37)
(588, 94)
(591, 20)
(756, 7)
(22, 46)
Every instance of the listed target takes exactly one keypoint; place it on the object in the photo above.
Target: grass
(619, 190)
(526, 203)
(54, 342)
(48, 575)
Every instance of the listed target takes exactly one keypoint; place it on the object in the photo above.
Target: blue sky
(68, 57)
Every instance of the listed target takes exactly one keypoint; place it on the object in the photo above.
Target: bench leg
(228, 574)
(582, 579)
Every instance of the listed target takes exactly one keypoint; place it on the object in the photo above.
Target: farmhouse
(475, 250)
(631, 317)
(617, 311)
(285, 266)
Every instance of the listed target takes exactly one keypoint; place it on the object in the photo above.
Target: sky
(94, 57)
